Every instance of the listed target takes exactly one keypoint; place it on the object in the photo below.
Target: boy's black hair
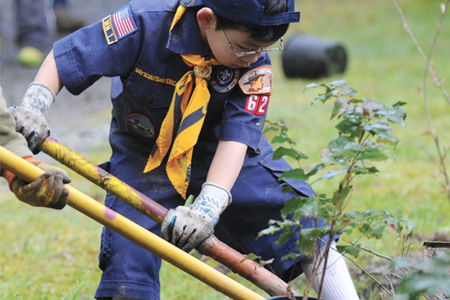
(262, 34)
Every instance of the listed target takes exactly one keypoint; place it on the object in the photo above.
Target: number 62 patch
(257, 104)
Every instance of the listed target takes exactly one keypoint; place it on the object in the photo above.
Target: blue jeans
(33, 24)
(60, 3)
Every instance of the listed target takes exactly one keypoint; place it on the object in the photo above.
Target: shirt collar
(185, 37)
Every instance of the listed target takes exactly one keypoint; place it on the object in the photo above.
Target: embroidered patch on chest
(224, 79)
(118, 25)
(257, 104)
(141, 124)
(257, 81)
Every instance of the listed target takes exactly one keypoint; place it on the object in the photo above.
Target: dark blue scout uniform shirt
(145, 63)
(148, 63)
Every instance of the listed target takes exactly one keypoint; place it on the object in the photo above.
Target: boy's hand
(47, 190)
(31, 114)
(188, 226)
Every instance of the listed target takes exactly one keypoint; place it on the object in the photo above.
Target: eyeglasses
(252, 52)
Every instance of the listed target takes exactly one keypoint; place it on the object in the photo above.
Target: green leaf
(310, 208)
(399, 103)
(338, 83)
(363, 170)
(283, 151)
(382, 130)
(355, 101)
(338, 105)
(315, 232)
(291, 255)
(396, 115)
(350, 125)
(315, 169)
(375, 154)
(350, 92)
(312, 85)
(281, 139)
(380, 126)
(353, 250)
(292, 205)
(308, 237)
(268, 231)
(322, 98)
(339, 143)
(268, 129)
(284, 237)
(353, 149)
(286, 188)
(251, 256)
(296, 174)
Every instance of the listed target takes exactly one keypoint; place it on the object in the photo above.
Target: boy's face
(227, 44)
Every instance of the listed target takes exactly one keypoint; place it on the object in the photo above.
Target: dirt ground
(80, 122)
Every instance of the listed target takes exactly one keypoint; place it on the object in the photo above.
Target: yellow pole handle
(134, 232)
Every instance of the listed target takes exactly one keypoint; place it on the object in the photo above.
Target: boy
(170, 60)
(48, 189)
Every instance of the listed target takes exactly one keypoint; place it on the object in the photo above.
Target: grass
(53, 255)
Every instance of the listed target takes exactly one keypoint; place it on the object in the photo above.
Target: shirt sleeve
(243, 113)
(108, 47)
(9, 138)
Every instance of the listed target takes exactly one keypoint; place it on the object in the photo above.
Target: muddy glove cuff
(10, 176)
(31, 114)
(47, 190)
(187, 227)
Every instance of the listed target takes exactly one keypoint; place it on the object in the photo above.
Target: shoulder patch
(118, 25)
(224, 79)
(257, 81)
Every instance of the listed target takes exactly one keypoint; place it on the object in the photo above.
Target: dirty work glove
(47, 190)
(31, 114)
(188, 226)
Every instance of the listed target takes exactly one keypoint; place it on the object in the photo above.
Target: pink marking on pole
(110, 214)
(50, 139)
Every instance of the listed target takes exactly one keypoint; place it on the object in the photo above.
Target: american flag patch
(123, 22)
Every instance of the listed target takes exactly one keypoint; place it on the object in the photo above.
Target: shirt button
(149, 100)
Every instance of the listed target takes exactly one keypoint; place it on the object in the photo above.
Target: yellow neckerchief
(190, 99)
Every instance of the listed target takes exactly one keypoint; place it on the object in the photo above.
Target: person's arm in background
(31, 114)
(48, 189)
(187, 227)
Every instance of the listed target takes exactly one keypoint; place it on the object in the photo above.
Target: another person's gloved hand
(47, 190)
(188, 226)
(31, 114)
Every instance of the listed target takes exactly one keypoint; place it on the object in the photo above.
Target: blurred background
(53, 255)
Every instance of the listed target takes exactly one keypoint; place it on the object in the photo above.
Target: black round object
(310, 57)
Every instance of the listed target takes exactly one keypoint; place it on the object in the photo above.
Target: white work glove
(31, 114)
(188, 226)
